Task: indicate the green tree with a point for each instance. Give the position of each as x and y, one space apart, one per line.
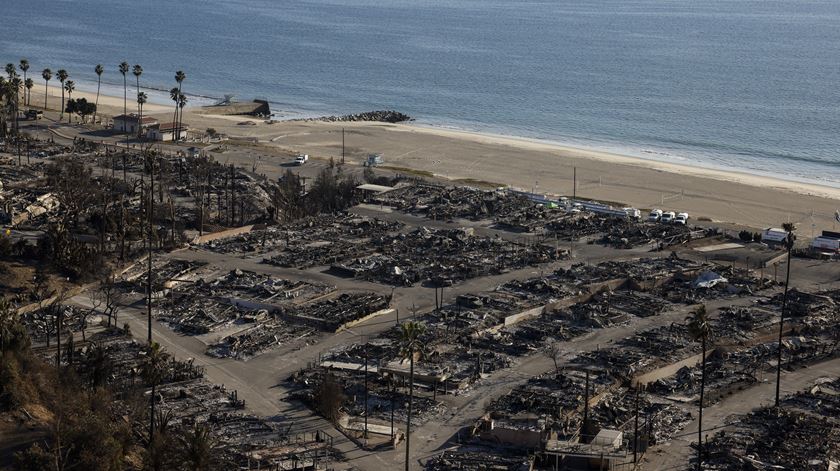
62 76
69 87
24 67
124 67
182 102
141 100
137 71
411 345
13 336
700 331
197 448
28 83
153 371
81 107
47 75
180 76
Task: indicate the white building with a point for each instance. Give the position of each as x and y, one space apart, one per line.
165 131
130 123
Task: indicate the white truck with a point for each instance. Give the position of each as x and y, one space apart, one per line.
682 218
301 159
667 217
655 215
633 213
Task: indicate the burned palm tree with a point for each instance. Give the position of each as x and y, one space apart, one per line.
789 227
411 345
700 330
153 372
46 74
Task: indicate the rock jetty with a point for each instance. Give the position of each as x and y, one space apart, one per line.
384 116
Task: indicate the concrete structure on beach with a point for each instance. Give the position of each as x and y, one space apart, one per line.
248 108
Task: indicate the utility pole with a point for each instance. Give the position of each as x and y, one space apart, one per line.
342 146
151 207
574 184
636 428
586 410
393 397
366 388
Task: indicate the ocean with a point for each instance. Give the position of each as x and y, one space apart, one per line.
734 84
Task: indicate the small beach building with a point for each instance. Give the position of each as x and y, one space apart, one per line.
130 123
165 131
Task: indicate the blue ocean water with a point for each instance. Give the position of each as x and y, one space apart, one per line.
743 84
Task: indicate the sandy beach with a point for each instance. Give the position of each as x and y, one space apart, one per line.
486 159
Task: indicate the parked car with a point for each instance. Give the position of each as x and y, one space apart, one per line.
682 218
667 217
655 215
301 159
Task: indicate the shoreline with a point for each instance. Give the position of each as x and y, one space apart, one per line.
158 103
733 174
465 157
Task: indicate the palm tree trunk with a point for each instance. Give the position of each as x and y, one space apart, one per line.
58 339
61 111
180 114
175 123
410 403
700 418
98 86
152 417
46 93
782 329
125 100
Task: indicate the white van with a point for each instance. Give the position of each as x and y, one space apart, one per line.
682 218
301 159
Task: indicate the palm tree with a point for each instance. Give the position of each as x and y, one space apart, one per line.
153 372
700 330
70 87
141 100
411 344
16 84
196 448
138 71
790 228
24 67
47 75
7 96
180 76
99 70
62 76
182 102
28 83
10 70
124 70
173 95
